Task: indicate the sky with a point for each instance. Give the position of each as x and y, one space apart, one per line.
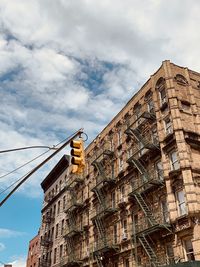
69 64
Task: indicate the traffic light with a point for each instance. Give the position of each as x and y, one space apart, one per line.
77 156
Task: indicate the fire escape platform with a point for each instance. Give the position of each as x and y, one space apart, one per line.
107 249
73 207
104 181
184 264
147 186
72 263
72 233
154 228
104 213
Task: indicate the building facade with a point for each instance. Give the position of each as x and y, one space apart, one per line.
33 252
138 202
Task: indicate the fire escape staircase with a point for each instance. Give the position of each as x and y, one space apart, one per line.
153 226
102 177
136 133
46 242
148 249
140 200
102 245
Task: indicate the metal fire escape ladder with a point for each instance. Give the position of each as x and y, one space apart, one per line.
140 138
139 166
100 196
100 228
149 250
100 168
44 247
145 208
98 220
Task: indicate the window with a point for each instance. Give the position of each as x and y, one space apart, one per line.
58 209
113 199
119 134
135 223
189 250
111 144
121 164
168 126
55 255
181 203
159 170
174 161
137 111
169 254
126 263
115 233
61 251
52 233
154 133
163 97
56 230
54 210
62 226
122 193
60 185
56 189
150 106
64 202
124 230
165 211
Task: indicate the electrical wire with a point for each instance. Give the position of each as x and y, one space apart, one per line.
68 140
21 178
5 189
28 162
23 148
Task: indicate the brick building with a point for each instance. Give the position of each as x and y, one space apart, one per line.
138 202
33 252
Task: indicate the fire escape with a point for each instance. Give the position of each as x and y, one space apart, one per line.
104 180
147 147
74 229
46 240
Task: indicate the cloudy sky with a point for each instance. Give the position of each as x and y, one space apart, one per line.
69 64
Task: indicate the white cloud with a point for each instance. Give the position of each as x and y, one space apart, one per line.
72 64
19 261
2 247
8 233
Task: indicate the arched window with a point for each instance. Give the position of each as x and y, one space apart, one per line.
181 79
160 86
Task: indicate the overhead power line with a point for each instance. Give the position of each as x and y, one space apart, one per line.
78 133
28 162
23 148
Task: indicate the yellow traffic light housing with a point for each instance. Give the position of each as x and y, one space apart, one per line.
77 156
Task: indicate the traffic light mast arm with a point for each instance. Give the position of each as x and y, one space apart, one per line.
80 131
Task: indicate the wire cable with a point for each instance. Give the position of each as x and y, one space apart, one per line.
28 162
5 189
23 148
25 177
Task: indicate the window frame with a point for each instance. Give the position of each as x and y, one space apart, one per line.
180 203
174 163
